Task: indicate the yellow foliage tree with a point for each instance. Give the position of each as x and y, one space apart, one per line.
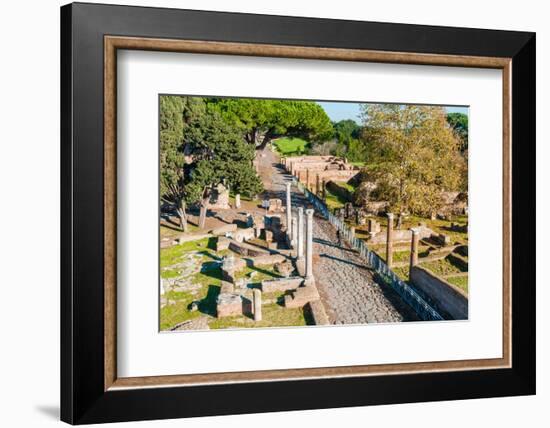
414 156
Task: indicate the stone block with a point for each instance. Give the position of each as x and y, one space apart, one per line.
267 260
301 296
229 305
284 268
318 313
225 229
268 235
222 243
373 226
442 239
242 235
281 284
275 205
195 237
226 287
301 266
219 198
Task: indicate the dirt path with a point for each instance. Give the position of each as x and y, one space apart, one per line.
348 289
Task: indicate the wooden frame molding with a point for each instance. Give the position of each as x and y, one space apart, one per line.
113 43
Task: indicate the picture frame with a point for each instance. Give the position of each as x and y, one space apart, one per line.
91 391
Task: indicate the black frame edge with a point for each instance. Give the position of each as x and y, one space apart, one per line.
66 316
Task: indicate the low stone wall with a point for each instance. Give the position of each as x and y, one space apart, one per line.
222 230
166 243
338 175
267 260
245 249
404 235
317 312
281 284
301 296
446 296
457 260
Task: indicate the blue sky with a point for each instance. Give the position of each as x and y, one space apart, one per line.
337 111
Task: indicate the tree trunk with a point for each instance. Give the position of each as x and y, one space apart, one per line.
267 138
202 214
182 215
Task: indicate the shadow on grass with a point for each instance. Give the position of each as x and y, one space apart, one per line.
213 272
247 307
308 315
208 304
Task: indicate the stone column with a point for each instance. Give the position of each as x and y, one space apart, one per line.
257 296
389 241
294 230
317 185
414 249
288 211
237 200
309 243
300 237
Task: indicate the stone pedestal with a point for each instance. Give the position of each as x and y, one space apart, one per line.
294 232
237 200
389 241
414 249
288 211
317 185
229 305
309 243
300 243
257 305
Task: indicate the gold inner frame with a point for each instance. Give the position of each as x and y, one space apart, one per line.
113 43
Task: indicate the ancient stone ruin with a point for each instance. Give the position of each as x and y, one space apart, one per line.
289 252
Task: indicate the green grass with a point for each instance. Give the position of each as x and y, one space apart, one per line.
172 255
206 286
273 315
173 231
287 146
350 188
402 272
334 201
442 267
459 281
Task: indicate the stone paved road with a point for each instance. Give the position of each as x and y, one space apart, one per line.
348 289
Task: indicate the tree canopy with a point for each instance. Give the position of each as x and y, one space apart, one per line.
199 148
414 155
459 123
348 144
261 120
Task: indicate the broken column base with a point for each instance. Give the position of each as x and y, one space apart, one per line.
318 314
301 296
227 287
229 305
301 266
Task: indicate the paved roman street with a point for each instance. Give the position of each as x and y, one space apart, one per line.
348 288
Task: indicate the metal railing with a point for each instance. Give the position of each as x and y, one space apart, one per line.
373 261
